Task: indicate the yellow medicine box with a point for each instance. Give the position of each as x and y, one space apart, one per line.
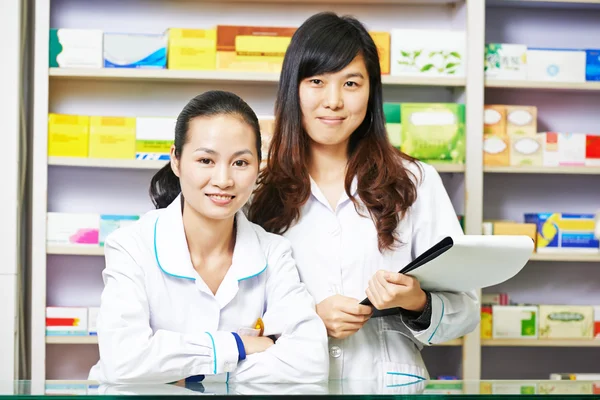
192 49
382 41
68 135
112 137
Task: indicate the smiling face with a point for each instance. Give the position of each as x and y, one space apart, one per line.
218 165
335 104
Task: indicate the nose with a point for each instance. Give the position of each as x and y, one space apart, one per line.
222 177
333 98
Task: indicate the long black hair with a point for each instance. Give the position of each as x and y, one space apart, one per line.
327 43
165 187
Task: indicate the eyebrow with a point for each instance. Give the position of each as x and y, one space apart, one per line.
236 154
355 75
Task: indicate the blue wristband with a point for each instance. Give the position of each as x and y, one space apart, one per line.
240 346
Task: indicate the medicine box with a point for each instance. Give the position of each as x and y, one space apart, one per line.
393 123
154 138
75 48
427 52
527 150
383 41
557 65
505 61
521 120
135 50
496 146
192 49
71 229
486 322
68 135
515 322
592 65
563 232
592 150
566 322
434 132
112 137
110 223
66 321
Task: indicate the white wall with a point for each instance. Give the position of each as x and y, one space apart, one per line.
9 127
76 280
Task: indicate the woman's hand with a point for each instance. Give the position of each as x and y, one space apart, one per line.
343 316
391 289
256 344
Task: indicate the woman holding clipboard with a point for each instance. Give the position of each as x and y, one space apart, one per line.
355 209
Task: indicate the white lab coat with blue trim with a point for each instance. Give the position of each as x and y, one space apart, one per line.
336 251
159 321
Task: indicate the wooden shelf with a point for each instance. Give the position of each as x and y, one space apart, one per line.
72 339
525 84
540 343
573 257
362 2
82 250
106 163
162 75
543 170
455 342
563 4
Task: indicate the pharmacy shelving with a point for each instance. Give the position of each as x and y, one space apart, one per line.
566 257
540 343
165 75
564 4
543 85
105 163
72 339
75 250
543 170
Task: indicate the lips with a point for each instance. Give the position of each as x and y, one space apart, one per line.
223 197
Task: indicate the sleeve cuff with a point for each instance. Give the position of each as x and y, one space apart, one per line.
418 321
240 347
225 352
429 335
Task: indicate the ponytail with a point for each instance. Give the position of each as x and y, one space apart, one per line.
164 187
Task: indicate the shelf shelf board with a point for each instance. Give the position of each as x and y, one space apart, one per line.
573 257
106 163
82 250
166 75
543 170
525 84
540 343
561 4
72 339
362 2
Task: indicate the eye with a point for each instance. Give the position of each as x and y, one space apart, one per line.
316 81
351 84
240 163
205 161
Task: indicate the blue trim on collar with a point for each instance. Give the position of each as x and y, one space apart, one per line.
252 276
158 262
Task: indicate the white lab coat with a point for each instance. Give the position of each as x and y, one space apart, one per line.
159 322
336 253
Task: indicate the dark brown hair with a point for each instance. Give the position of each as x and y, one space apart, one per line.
327 43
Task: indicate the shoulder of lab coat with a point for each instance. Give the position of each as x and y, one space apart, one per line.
453 314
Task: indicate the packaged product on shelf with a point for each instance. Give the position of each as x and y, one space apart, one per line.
382 41
505 61
496 149
267 127
434 132
252 48
154 137
65 389
75 48
192 49
568 149
448 387
565 388
592 150
564 232
557 65
92 320
495 299
509 228
135 50
110 223
68 135
515 322
512 388
551 155
66 321
112 137
597 322
521 120
70 229
428 52
526 150
487 322
566 322
592 65
393 124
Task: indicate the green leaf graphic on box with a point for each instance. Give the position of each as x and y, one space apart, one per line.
452 72
426 68
418 53
528 326
404 53
451 65
455 54
433 53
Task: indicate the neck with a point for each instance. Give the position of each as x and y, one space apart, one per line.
207 237
328 162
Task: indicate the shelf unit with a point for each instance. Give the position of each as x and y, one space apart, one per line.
471 14
540 343
566 257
